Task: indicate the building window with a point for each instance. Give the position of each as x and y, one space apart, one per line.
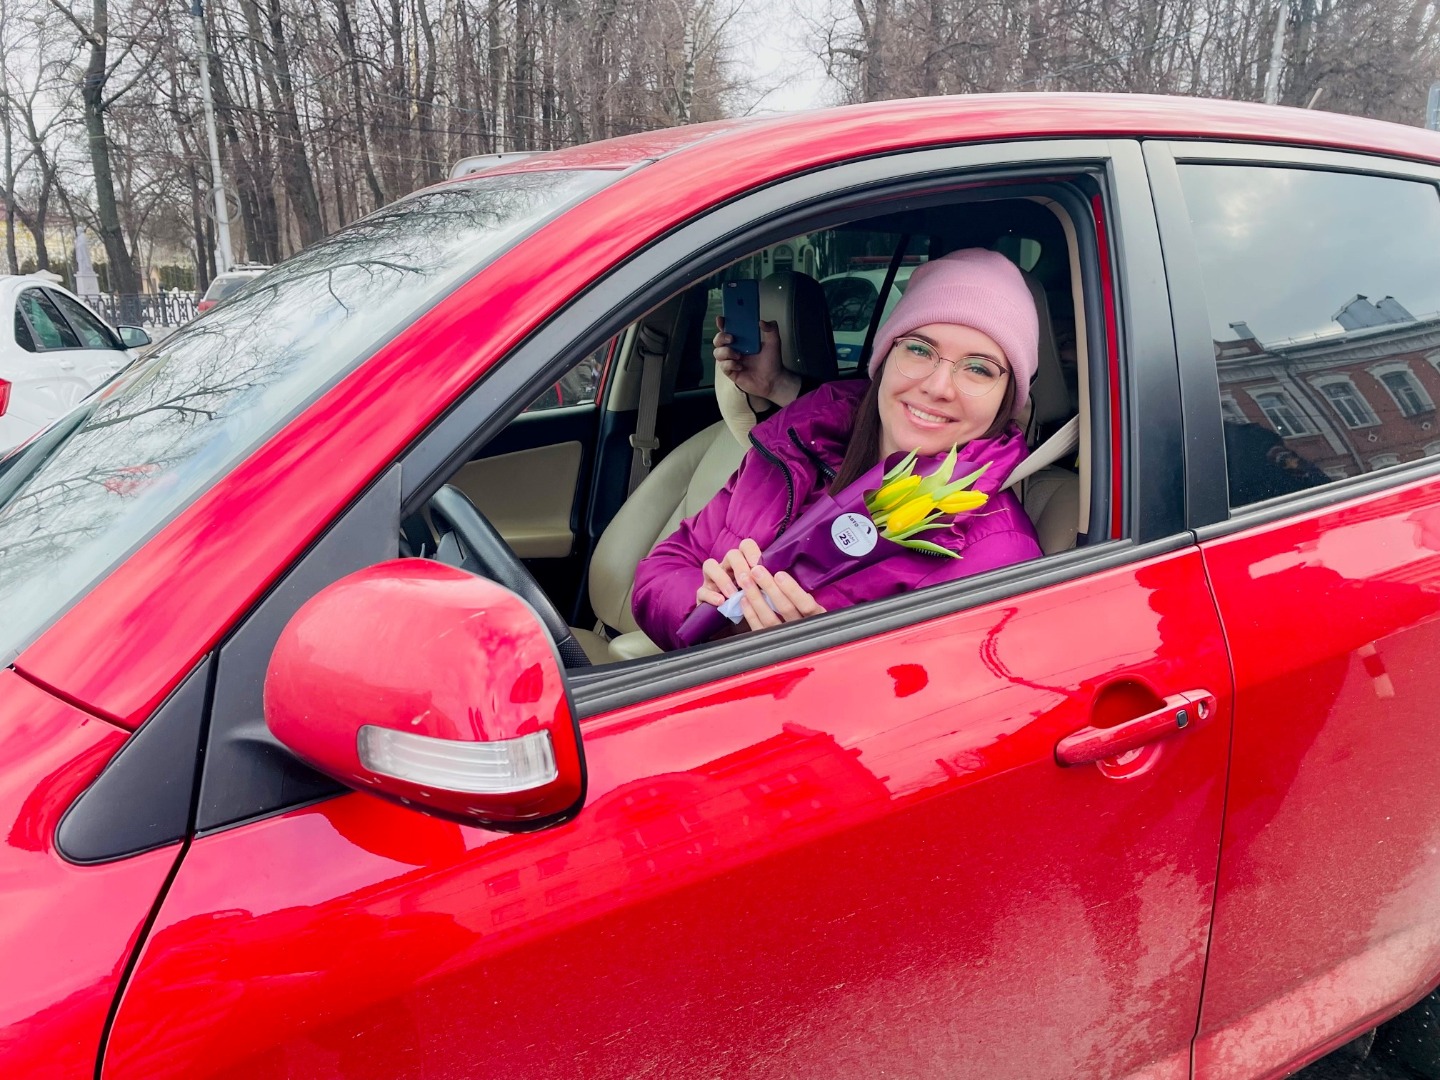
1231 411
1405 388
1279 408
1346 400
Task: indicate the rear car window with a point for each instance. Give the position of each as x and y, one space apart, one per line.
103 478
46 322
1323 291
23 337
228 285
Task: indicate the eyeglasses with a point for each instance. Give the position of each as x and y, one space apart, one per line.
974 376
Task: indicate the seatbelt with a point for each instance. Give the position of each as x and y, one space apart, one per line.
889 283
652 347
1047 453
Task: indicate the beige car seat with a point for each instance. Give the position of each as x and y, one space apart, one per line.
689 476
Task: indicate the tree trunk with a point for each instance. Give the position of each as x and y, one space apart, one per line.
352 63
294 163
121 267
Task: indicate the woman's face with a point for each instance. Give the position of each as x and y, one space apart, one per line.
930 414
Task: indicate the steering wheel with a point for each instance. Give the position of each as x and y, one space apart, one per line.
485 552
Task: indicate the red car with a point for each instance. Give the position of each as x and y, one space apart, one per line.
328 746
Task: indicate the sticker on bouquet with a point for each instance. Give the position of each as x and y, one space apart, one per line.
854 534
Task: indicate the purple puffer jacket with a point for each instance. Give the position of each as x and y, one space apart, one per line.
793 458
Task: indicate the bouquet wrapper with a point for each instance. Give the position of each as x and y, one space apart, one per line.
832 539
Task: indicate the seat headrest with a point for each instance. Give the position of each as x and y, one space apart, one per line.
795 302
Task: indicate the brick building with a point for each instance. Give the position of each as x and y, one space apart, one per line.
1348 401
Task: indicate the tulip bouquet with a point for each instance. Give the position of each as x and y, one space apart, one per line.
880 515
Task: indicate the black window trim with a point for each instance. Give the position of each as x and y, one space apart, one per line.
1153 509
1207 495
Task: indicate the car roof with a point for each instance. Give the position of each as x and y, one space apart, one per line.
13 283
972 117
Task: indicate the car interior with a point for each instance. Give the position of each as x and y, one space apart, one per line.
641 434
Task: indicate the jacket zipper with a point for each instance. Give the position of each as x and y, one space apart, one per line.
770 456
816 458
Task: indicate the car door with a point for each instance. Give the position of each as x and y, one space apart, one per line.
1307 287
52 369
845 849
101 352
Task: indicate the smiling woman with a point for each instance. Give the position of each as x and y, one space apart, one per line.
951 368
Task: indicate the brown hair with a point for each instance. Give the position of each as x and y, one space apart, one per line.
864 449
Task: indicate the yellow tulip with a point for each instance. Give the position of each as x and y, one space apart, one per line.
909 514
961 501
893 494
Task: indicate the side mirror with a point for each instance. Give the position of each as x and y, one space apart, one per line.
133 337
432 687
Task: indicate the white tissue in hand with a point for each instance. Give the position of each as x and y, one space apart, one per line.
731 607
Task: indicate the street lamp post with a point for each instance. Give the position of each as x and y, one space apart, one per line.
224 254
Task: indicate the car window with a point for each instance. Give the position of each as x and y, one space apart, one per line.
228 285
46 322
107 475
851 266
850 299
576 387
93 333
1323 291
23 337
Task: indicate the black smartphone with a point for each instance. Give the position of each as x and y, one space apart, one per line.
742 315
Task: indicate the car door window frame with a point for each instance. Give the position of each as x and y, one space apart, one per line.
1152 511
61 302
1208 510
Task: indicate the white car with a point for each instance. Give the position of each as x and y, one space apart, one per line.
851 298
53 352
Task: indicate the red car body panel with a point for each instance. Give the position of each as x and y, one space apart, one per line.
69 930
1330 886
742 889
169 603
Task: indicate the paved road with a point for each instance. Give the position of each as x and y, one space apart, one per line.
1337 1067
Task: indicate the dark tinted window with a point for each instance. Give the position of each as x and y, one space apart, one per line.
107 475
23 337
851 300
49 326
93 333
1324 298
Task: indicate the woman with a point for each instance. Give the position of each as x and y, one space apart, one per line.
951 367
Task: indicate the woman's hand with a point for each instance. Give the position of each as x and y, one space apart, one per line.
760 375
725 577
788 602
740 571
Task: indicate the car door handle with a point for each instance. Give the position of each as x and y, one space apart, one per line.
67 365
1179 713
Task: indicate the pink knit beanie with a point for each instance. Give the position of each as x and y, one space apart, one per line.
976 288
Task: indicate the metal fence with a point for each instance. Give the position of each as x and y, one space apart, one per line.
144 309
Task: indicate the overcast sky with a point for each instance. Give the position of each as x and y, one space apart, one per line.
1284 249
779 61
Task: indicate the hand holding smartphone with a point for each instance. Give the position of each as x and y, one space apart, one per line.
742 315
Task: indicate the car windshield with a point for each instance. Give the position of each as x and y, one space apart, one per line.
106 476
